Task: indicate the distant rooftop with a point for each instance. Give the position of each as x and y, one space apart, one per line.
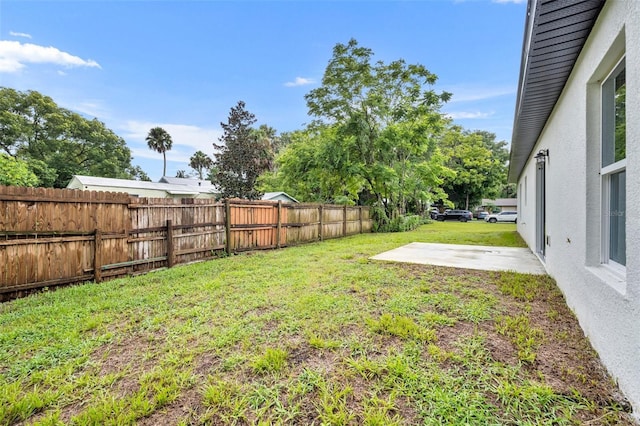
278 195
186 181
500 202
174 189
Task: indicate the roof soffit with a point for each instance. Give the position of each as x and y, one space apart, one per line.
555 32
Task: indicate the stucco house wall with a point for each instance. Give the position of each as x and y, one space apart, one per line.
607 305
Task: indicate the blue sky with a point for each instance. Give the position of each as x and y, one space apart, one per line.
183 64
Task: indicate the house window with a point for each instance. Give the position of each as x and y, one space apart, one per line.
613 167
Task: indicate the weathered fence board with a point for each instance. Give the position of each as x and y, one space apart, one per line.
46 235
52 236
254 225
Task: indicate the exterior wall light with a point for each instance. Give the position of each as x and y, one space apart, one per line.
542 155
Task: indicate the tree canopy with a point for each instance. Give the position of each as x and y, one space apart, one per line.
374 138
16 172
242 155
159 140
200 162
380 139
57 143
479 163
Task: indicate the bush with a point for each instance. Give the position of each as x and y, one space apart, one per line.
401 224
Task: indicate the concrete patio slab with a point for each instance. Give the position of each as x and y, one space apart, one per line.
488 258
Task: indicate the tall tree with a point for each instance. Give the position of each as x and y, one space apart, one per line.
57 143
160 141
479 165
387 119
242 156
200 162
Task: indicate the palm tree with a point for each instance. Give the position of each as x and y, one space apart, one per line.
200 161
160 141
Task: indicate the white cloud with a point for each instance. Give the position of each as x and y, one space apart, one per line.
15 34
300 81
186 139
470 94
509 1
15 55
91 109
470 115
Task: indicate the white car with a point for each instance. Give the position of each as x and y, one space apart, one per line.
502 217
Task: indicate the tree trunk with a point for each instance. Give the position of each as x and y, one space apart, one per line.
164 167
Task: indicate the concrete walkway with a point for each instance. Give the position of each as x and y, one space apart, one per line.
488 258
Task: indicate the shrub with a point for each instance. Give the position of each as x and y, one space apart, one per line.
400 224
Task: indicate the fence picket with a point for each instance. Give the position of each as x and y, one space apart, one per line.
59 236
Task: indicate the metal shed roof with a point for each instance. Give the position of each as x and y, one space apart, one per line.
135 184
555 32
186 181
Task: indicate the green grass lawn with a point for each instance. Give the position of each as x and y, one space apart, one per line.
315 334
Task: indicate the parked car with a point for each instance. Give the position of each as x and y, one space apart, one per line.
480 215
433 213
502 217
461 215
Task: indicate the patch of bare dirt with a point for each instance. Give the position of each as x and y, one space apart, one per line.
565 360
187 406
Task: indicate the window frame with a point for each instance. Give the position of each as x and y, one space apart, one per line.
607 125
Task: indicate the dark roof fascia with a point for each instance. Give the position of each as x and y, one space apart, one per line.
546 20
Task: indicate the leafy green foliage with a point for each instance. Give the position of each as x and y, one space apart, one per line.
16 172
138 174
244 154
159 140
620 132
315 168
479 164
375 138
400 224
200 162
57 143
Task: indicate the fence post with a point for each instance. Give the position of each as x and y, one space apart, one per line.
279 224
169 243
344 223
97 257
227 225
360 217
321 224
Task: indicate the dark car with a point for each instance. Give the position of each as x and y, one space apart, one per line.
480 215
461 215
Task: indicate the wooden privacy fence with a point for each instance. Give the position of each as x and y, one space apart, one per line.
50 237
